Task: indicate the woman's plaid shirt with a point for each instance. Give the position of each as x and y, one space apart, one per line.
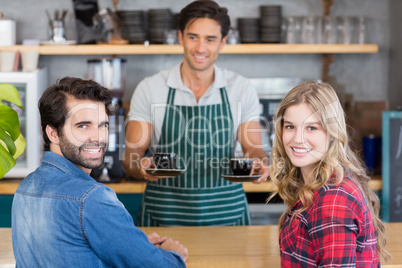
336 231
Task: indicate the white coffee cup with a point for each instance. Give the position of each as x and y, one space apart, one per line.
29 60
7 61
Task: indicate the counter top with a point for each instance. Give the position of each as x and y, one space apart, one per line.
133 187
235 247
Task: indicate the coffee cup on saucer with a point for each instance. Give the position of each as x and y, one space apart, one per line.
165 160
241 166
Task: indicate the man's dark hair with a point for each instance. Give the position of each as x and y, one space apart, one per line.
53 104
204 9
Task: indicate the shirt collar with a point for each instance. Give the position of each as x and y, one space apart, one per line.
65 165
174 79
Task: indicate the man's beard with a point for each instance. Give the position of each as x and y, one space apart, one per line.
73 153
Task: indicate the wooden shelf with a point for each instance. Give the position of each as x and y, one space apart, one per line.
177 49
129 187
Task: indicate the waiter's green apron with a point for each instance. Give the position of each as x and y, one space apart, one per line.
202 138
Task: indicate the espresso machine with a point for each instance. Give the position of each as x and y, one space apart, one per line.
111 73
271 91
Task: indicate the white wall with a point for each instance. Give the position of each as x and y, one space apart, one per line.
364 75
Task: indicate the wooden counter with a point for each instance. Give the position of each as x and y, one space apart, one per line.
131 187
227 247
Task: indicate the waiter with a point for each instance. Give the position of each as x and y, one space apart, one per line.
197 111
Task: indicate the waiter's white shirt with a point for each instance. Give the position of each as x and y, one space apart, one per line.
148 102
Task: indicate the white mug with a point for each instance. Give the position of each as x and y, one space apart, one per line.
7 61
29 60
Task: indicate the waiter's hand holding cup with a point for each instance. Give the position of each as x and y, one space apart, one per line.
241 166
165 160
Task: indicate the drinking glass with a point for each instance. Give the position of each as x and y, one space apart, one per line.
57 32
233 37
171 37
329 30
361 30
308 30
293 28
345 27
319 22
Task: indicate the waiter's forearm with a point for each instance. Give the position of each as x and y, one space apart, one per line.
255 152
132 163
138 138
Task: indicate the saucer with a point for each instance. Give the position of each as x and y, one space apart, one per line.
164 172
52 43
241 178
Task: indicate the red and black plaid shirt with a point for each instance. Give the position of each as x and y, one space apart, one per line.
336 231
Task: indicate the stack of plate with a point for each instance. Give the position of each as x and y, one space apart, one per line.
159 21
270 24
249 30
133 23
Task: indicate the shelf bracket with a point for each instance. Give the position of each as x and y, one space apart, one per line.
327 6
326 61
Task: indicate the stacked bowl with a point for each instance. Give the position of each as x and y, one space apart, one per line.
249 30
159 22
270 24
133 24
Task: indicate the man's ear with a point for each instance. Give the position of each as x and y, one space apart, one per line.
52 135
223 42
180 37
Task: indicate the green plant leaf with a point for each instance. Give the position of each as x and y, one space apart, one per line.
7 142
9 121
12 143
6 160
20 144
9 93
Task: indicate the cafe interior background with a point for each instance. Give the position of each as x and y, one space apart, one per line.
368 83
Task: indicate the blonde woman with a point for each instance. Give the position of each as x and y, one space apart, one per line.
332 214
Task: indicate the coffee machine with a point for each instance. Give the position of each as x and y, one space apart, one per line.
111 73
271 91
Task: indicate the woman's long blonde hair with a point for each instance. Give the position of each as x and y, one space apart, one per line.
339 158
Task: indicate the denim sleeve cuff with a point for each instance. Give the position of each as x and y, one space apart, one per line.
175 254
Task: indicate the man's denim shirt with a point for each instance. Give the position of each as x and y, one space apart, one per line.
61 217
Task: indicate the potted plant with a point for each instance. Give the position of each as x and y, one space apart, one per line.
12 143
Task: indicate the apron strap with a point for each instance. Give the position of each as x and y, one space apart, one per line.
170 98
224 95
